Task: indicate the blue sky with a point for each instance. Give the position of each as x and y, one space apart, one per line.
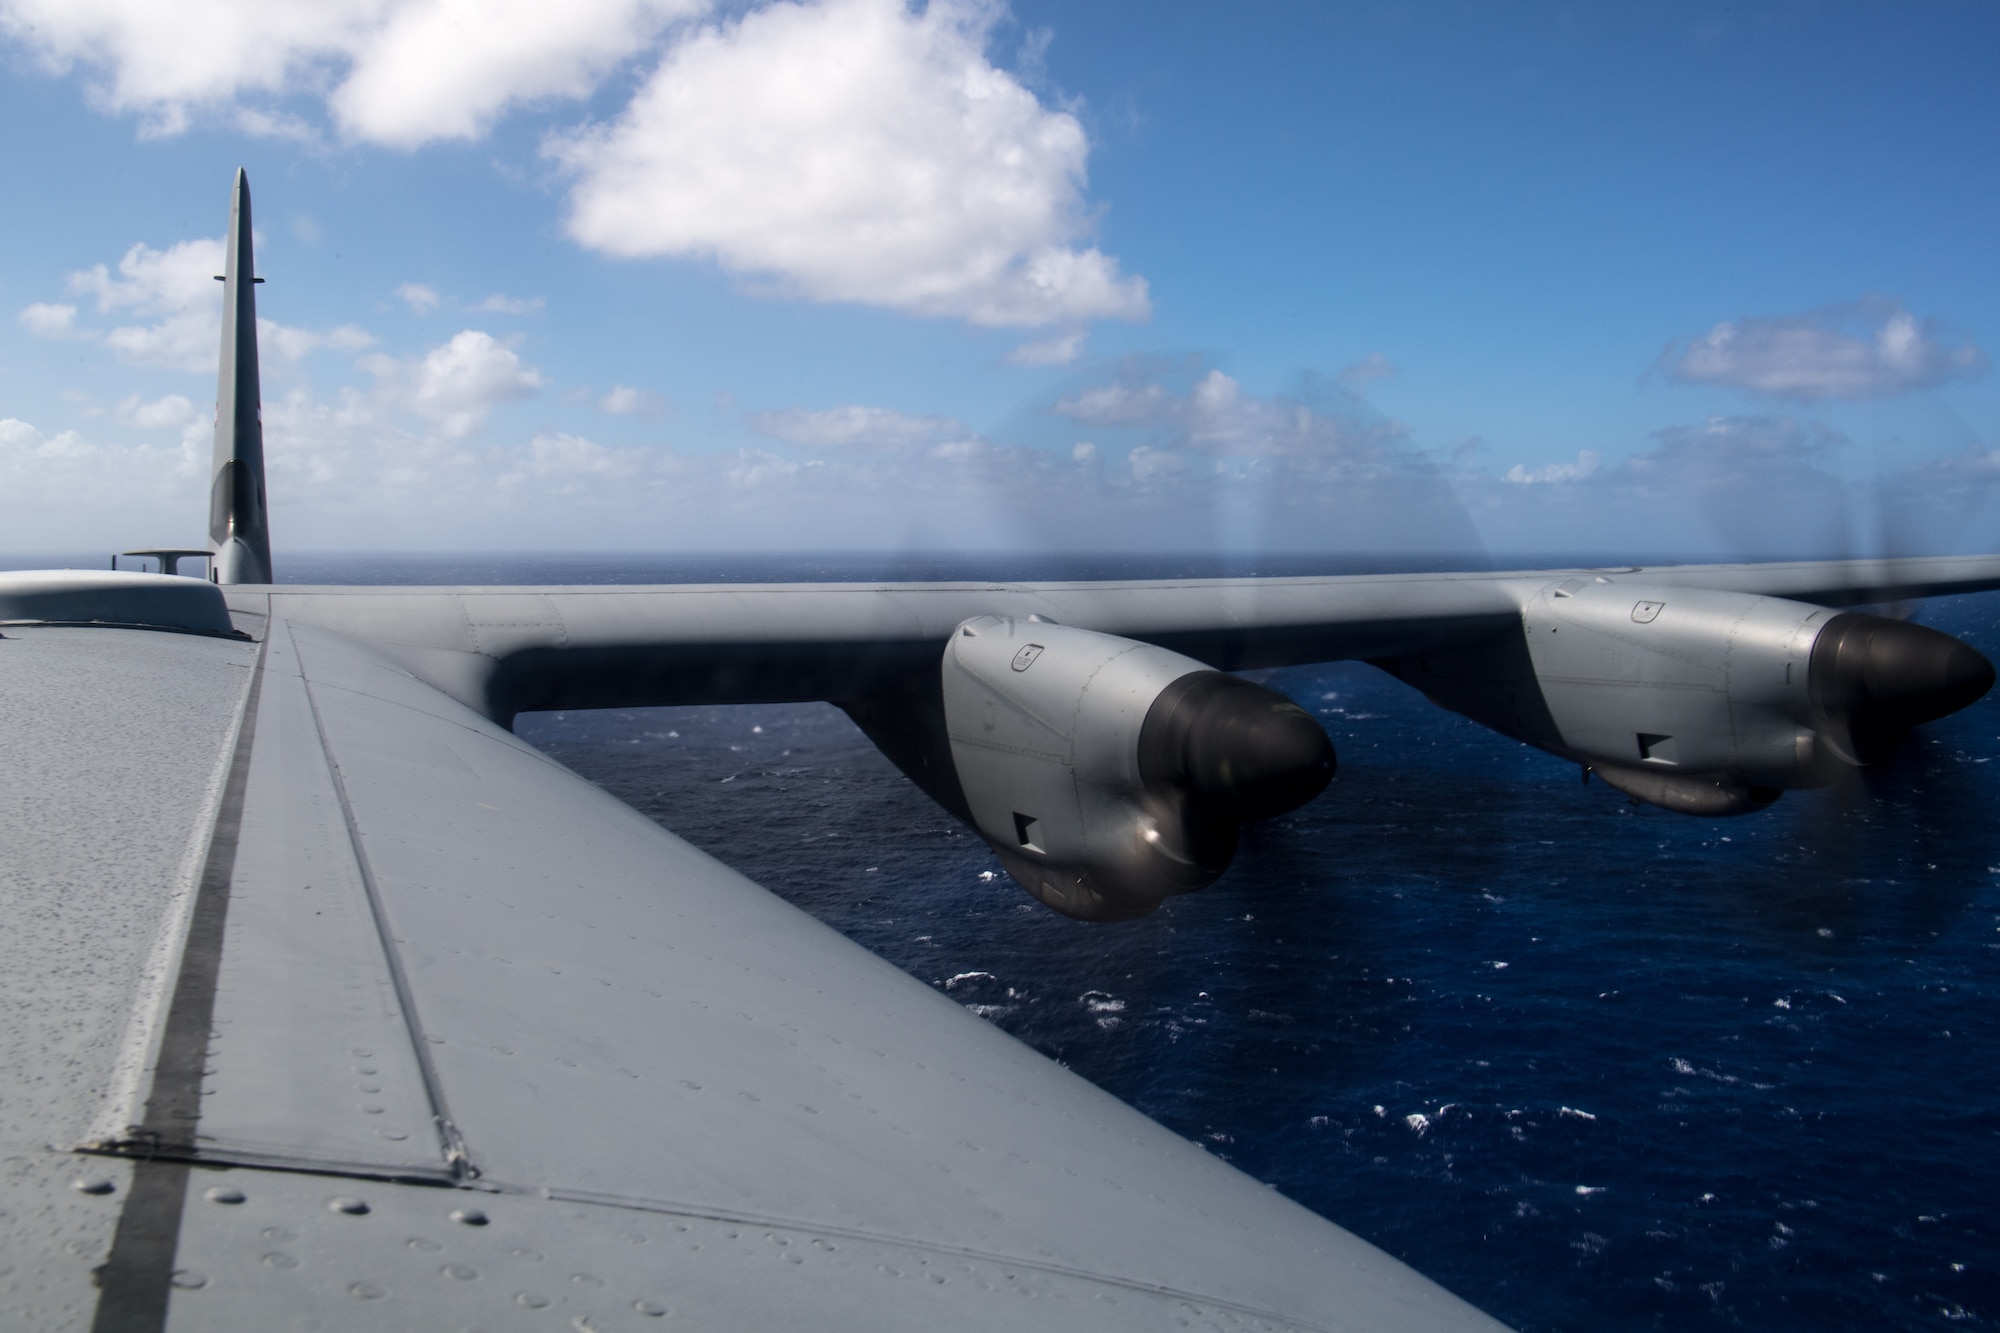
667 274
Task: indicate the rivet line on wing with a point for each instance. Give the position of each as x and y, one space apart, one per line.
457 1156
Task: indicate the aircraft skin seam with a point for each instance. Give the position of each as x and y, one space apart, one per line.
126 624
210 1159
704 1213
136 1277
711 1214
457 1156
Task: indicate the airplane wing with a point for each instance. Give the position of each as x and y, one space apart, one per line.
330 1003
417 1025
508 650
419 1029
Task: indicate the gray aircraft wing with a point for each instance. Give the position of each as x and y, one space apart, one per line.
339 1001
418 1029
329 1003
508 650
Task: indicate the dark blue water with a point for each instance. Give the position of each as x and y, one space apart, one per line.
1590 1065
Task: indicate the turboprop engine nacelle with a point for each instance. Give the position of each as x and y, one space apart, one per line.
1703 701
1689 698
1110 774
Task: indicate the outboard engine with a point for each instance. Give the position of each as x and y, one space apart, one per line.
1110 774
1702 701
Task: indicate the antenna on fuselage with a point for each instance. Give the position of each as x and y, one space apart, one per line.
239 533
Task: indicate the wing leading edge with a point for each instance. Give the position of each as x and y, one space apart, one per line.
503 651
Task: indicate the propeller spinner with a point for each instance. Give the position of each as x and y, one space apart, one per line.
1872 679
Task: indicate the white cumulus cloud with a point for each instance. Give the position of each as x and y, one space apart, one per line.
1121 403
165 413
399 72
52 320
293 344
1872 348
423 299
1214 415
857 427
624 401
1585 465
1057 351
445 69
1743 487
456 385
855 150
564 464
174 291
420 299
500 304
164 308
1367 371
861 151
54 487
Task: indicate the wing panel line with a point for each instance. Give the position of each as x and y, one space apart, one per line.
137 1275
457 1155
799 1226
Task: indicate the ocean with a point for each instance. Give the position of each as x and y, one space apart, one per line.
1589 1065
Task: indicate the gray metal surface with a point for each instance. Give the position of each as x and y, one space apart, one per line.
509 650
283 1257
1833 582
617 1022
312 1061
114 742
452 975
440 972
1716 681
109 597
1044 722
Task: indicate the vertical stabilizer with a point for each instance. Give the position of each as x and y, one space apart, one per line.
238 529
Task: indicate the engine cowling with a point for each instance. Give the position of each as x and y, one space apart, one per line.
1693 699
1109 774
1703 701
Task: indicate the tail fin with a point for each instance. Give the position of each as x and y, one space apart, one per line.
239 531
